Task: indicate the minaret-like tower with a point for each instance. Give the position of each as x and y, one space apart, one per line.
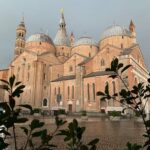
20 38
61 41
72 39
132 30
61 38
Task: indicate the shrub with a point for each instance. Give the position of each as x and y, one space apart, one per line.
36 110
114 113
83 113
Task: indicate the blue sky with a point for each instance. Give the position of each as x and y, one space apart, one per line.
90 17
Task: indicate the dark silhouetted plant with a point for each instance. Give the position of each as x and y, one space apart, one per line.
135 98
73 137
11 115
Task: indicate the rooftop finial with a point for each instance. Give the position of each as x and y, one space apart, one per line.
114 23
62 10
22 18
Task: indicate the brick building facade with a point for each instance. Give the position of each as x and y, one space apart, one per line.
67 73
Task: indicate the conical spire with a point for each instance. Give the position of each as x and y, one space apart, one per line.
61 37
62 23
132 26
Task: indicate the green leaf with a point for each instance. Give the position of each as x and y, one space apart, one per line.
3 145
12 102
26 106
114 65
36 124
133 146
93 142
4 81
120 66
107 69
18 91
107 89
17 83
113 76
25 130
84 147
21 120
5 132
37 134
11 81
5 87
125 68
147 123
99 93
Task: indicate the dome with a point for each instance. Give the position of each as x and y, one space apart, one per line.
40 37
85 41
61 38
40 43
115 31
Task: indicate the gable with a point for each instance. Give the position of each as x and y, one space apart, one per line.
48 58
138 56
71 63
24 57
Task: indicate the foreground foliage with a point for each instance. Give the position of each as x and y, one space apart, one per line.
11 116
135 99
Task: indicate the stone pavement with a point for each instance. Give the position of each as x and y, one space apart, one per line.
113 135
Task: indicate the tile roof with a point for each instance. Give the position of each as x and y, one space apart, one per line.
62 78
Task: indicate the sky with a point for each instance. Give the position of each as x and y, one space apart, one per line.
83 17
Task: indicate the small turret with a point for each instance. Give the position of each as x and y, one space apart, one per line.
20 38
132 30
72 39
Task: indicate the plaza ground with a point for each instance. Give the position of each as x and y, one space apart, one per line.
113 135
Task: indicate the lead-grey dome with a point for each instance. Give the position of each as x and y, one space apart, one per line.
61 38
85 41
40 37
115 31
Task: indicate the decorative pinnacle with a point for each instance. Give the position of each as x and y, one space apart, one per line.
22 18
62 10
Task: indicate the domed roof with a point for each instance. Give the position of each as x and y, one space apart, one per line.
115 31
85 41
40 37
61 38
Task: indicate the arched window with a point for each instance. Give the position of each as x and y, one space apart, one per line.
18 69
45 103
44 76
88 91
121 45
55 91
72 92
102 62
106 83
68 92
58 90
28 66
89 54
93 91
28 76
70 68
114 87
135 81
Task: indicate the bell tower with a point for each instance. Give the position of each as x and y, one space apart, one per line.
132 30
20 38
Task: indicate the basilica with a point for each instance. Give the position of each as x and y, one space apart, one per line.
67 72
